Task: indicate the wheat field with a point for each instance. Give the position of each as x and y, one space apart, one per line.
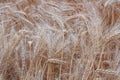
59 39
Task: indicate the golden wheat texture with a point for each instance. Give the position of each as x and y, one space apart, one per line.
59 39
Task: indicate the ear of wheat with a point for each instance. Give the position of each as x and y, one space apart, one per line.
59 39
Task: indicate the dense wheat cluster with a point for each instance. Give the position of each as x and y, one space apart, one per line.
59 39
